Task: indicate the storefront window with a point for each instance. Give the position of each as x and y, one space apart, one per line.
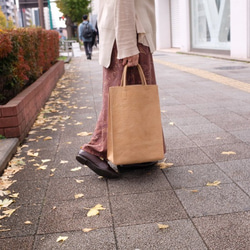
210 24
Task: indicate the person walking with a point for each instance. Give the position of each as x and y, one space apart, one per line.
127 32
86 36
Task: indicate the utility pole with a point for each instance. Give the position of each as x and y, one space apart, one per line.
50 16
41 16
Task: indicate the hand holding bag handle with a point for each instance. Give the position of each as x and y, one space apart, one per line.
124 75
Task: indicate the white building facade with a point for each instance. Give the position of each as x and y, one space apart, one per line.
209 26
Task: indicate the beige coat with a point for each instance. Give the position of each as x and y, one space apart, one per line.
121 21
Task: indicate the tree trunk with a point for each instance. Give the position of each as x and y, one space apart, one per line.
69 27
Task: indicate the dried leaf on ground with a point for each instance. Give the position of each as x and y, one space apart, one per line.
32 153
6 183
228 153
213 184
77 196
164 165
3 216
27 222
95 210
162 226
10 211
42 167
63 162
5 230
14 195
3 193
84 133
45 160
47 138
75 169
194 191
79 181
5 203
86 230
62 238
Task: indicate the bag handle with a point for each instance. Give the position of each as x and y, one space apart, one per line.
124 75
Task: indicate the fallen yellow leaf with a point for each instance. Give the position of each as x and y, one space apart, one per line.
9 212
14 195
213 184
95 210
30 153
2 216
194 191
190 171
63 162
3 193
42 167
46 160
228 153
62 238
5 203
79 181
76 169
84 133
162 226
4 230
28 222
47 138
79 196
86 230
32 140
164 165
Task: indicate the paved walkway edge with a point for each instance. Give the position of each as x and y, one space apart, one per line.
8 148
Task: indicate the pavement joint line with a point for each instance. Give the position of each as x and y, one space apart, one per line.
208 75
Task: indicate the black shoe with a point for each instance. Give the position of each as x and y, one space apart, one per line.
136 165
100 167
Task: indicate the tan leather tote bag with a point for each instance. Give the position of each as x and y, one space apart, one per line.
134 123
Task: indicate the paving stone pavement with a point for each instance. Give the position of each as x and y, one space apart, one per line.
203 198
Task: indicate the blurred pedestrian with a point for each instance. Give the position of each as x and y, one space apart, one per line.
86 36
127 32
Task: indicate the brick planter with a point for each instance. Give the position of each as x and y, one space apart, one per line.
18 115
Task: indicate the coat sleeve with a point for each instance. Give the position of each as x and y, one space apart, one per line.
125 28
80 31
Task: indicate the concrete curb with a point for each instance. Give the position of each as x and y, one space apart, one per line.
7 150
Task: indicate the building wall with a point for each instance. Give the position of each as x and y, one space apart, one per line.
8 8
225 32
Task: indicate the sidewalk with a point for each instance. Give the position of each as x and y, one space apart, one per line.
202 200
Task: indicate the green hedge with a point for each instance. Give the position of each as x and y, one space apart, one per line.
25 54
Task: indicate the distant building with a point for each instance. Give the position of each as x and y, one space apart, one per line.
9 9
25 17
